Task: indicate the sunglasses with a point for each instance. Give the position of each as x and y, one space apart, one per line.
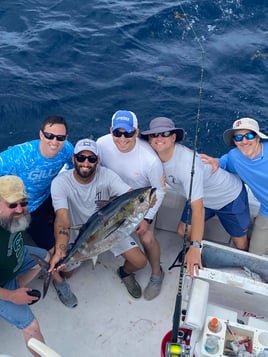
15 204
164 134
248 136
117 133
51 136
91 158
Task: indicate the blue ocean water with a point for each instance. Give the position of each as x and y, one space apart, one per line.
86 59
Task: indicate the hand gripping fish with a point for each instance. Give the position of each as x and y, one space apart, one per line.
105 228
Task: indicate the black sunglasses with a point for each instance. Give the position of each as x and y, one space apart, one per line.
51 136
164 134
117 133
15 204
248 136
91 158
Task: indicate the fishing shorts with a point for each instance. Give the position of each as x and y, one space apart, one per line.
122 247
258 241
235 216
20 316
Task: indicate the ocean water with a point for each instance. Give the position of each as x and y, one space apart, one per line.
86 59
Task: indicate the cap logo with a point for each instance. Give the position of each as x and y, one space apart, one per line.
238 123
86 143
123 118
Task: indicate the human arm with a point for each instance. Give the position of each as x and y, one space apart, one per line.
18 296
206 159
62 236
193 256
156 178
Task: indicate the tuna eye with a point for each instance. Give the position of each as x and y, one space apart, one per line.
141 199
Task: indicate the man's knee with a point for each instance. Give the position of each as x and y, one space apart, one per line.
147 239
241 243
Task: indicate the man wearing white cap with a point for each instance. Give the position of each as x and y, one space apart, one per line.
74 195
138 165
17 268
249 159
221 193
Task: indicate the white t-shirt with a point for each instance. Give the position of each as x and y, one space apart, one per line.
140 167
79 199
217 189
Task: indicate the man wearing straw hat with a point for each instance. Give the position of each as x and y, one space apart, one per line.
248 158
221 193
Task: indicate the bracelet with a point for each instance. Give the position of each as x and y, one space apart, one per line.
196 243
149 221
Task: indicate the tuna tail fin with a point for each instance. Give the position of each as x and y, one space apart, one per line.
44 268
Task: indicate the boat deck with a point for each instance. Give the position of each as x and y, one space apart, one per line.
107 320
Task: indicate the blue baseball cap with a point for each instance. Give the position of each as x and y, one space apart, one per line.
124 119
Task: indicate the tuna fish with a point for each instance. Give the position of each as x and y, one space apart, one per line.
106 228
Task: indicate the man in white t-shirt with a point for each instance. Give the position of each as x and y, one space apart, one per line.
220 193
74 195
138 165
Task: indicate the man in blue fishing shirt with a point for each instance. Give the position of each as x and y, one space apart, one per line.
37 162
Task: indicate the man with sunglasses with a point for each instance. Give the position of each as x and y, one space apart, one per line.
37 162
137 164
248 158
75 194
17 268
222 193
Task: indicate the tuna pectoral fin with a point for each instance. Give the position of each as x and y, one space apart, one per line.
47 279
44 268
94 261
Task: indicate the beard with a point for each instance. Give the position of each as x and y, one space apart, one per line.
14 225
85 175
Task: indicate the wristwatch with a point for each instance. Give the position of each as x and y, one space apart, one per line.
149 221
196 243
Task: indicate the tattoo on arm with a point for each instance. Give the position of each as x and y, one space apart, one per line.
63 247
64 232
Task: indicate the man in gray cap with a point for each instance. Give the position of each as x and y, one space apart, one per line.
249 159
74 195
220 193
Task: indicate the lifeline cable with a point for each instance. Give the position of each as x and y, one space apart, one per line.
177 311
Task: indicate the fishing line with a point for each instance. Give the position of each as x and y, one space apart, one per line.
177 311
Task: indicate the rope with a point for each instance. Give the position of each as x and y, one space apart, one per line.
177 311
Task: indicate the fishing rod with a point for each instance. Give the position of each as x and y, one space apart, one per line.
174 349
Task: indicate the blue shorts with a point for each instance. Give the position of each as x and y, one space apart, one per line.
235 217
20 315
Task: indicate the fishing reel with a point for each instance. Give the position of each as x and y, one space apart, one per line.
177 350
181 348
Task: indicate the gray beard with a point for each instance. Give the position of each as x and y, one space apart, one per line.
15 225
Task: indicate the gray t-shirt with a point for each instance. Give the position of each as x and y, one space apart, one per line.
80 199
217 189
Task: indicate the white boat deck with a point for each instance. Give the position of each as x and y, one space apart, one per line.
107 320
